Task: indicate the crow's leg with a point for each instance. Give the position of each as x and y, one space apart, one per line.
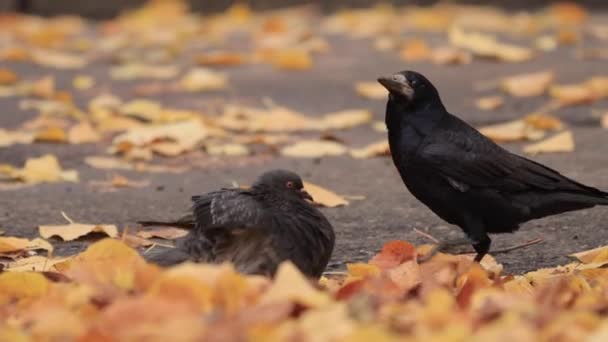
443 245
480 240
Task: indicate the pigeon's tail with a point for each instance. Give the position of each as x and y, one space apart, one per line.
164 256
186 222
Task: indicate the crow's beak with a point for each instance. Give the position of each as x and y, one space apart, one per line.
400 87
306 195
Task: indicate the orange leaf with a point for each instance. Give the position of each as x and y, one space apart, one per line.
394 253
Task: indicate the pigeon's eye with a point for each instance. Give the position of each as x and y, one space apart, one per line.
289 184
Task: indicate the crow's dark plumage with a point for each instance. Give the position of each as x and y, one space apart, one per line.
256 228
464 177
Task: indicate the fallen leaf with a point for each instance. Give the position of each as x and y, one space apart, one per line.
132 71
44 87
51 135
561 142
34 263
56 59
415 50
371 90
512 131
292 60
44 169
227 150
531 84
489 102
8 138
203 79
111 163
486 45
10 244
82 133
313 149
604 122
220 59
83 82
573 94
324 197
167 233
450 56
7 77
291 285
342 119
544 122
144 109
393 254
117 182
73 231
376 149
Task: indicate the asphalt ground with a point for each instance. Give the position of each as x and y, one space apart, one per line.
388 211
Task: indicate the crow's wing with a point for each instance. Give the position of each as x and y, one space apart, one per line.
467 159
228 209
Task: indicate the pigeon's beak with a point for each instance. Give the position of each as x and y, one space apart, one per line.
306 195
397 86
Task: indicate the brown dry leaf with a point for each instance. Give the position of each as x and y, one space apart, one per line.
376 149
342 119
604 122
486 45
132 71
8 138
512 131
273 119
292 59
599 254
7 77
73 231
291 286
227 150
44 169
176 138
313 149
203 79
51 135
36 263
489 102
561 142
544 122
167 233
83 82
44 87
9 244
531 84
56 59
572 94
415 50
450 56
144 109
371 90
324 197
82 133
220 59
108 163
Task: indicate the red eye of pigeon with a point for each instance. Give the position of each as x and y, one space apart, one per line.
289 184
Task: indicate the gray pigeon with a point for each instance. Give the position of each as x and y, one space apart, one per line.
256 229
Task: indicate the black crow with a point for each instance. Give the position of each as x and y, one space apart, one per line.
256 229
464 177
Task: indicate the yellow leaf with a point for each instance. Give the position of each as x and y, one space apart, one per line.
220 59
83 82
599 254
227 150
51 134
376 149
56 59
291 286
44 169
73 231
8 138
342 120
561 142
7 77
34 263
292 60
135 70
489 102
101 162
512 131
167 233
22 286
142 109
524 85
203 79
313 149
415 50
486 45
324 197
449 55
371 90
83 133
44 87
571 94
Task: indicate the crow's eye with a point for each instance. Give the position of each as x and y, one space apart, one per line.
289 184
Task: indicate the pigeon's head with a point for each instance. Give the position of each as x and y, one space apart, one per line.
283 182
410 87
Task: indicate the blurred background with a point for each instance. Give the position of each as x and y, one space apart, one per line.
108 8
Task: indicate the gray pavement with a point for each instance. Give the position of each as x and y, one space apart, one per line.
388 210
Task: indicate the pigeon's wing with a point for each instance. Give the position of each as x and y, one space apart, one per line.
227 209
467 159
